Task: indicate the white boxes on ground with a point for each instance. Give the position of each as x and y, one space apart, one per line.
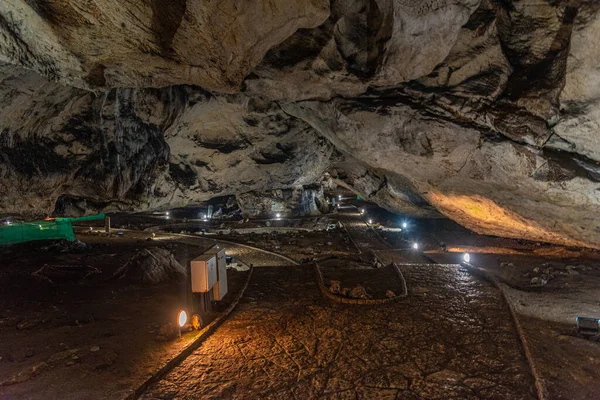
220 288
203 270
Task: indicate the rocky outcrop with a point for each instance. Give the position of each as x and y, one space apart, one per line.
486 111
156 43
297 201
134 149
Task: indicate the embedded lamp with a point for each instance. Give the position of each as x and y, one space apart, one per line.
467 257
370 221
415 246
181 318
404 225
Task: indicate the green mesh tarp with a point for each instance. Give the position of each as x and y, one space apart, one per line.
60 228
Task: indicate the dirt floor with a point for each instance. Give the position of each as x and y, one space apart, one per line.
376 281
301 246
69 331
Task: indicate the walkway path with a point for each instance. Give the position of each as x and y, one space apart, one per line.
451 338
368 240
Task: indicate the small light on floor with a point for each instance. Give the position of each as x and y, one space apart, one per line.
167 217
339 196
415 246
404 225
7 222
91 229
370 221
167 213
181 318
467 257
278 215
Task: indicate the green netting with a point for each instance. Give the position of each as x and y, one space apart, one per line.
60 228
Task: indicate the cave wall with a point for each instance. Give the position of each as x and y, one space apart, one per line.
293 202
487 112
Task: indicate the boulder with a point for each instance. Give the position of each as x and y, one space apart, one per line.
358 292
335 287
152 266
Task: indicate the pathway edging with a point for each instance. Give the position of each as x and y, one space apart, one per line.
202 336
345 300
539 384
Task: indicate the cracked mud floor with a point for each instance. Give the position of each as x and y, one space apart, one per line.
451 338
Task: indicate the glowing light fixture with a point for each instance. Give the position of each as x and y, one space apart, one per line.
415 246
7 222
467 257
181 318
404 225
168 213
339 196
278 215
91 229
370 221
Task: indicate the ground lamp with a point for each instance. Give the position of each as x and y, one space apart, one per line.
415 246
404 225
370 221
278 216
181 319
587 326
467 258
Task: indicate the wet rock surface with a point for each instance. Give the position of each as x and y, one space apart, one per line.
452 337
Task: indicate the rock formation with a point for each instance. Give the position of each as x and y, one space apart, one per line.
487 112
297 201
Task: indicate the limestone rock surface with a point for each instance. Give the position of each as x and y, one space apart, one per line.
484 111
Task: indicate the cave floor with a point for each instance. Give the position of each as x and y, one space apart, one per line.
451 338
70 331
